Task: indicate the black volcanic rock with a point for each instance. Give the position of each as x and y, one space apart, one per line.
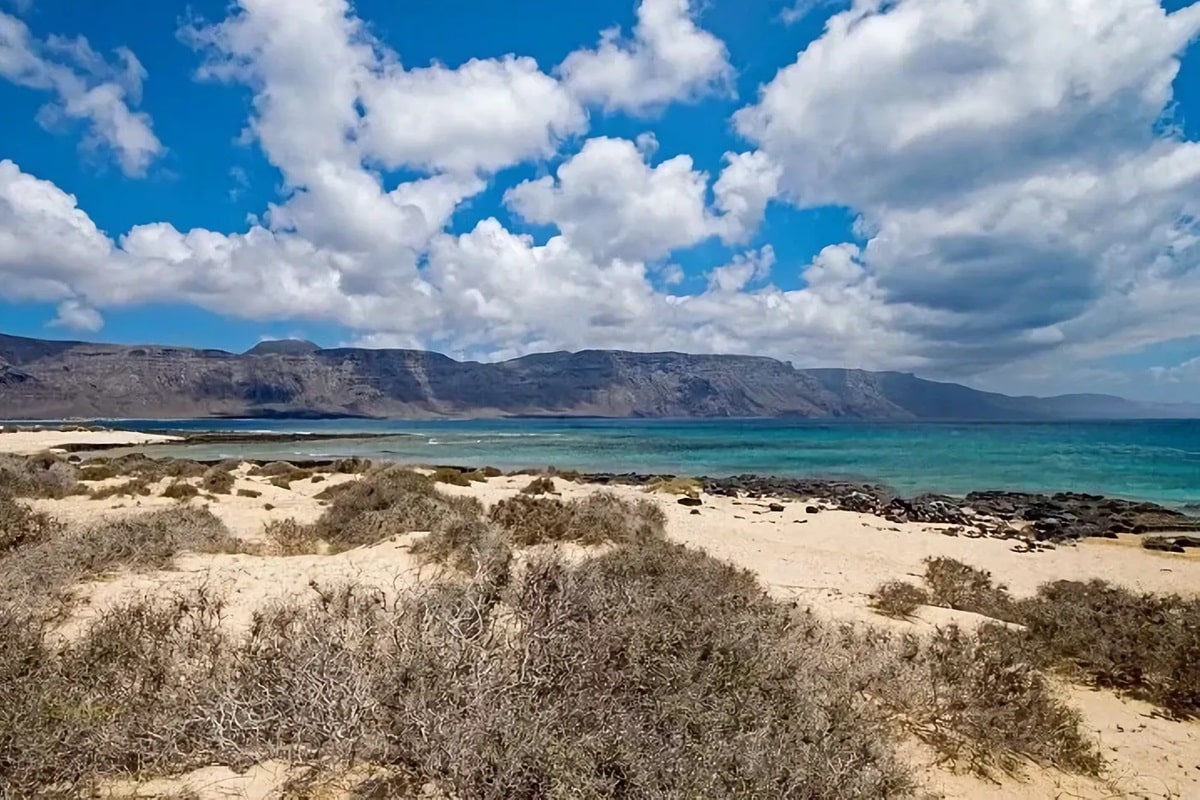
46 379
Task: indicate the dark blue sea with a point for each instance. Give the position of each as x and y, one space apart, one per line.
1150 460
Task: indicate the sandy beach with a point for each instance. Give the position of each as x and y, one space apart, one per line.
28 442
829 561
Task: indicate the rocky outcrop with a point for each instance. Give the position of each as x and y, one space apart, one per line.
52 379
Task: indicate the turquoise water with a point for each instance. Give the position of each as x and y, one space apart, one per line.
1150 460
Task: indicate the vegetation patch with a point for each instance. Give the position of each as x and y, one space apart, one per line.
39 476
181 491
898 599
218 481
599 518
540 485
687 487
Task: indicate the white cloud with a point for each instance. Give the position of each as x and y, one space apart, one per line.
668 59
1003 156
1184 372
86 87
751 267
482 116
610 203
607 201
77 317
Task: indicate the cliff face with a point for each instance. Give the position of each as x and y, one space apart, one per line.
49 379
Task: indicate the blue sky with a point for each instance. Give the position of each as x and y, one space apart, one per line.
1003 192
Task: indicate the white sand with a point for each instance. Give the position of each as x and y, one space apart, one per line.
30 442
829 562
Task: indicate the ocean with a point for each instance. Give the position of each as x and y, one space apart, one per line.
1146 460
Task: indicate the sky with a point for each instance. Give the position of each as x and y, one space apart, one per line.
1004 193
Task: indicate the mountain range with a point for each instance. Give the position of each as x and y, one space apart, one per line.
47 379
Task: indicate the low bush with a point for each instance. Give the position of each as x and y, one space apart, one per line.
599 518
39 476
450 475
492 472
135 487
979 699
218 481
181 491
38 574
287 537
470 545
97 472
542 485
384 503
898 599
956 585
688 487
20 525
1143 644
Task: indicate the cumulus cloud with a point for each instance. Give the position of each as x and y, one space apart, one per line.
609 202
1014 187
77 317
668 58
86 87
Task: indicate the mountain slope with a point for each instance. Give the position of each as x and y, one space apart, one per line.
51 379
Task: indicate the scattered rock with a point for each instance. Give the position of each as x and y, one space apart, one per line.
690 501
695 512
776 507
811 510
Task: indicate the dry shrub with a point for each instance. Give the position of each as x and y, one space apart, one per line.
492 472
979 699
287 537
40 476
647 672
898 599
155 469
384 503
274 469
542 485
39 573
651 671
318 478
470 545
135 487
688 487
181 491
218 481
956 585
475 476
21 525
450 475
97 472
599 518
1144 644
